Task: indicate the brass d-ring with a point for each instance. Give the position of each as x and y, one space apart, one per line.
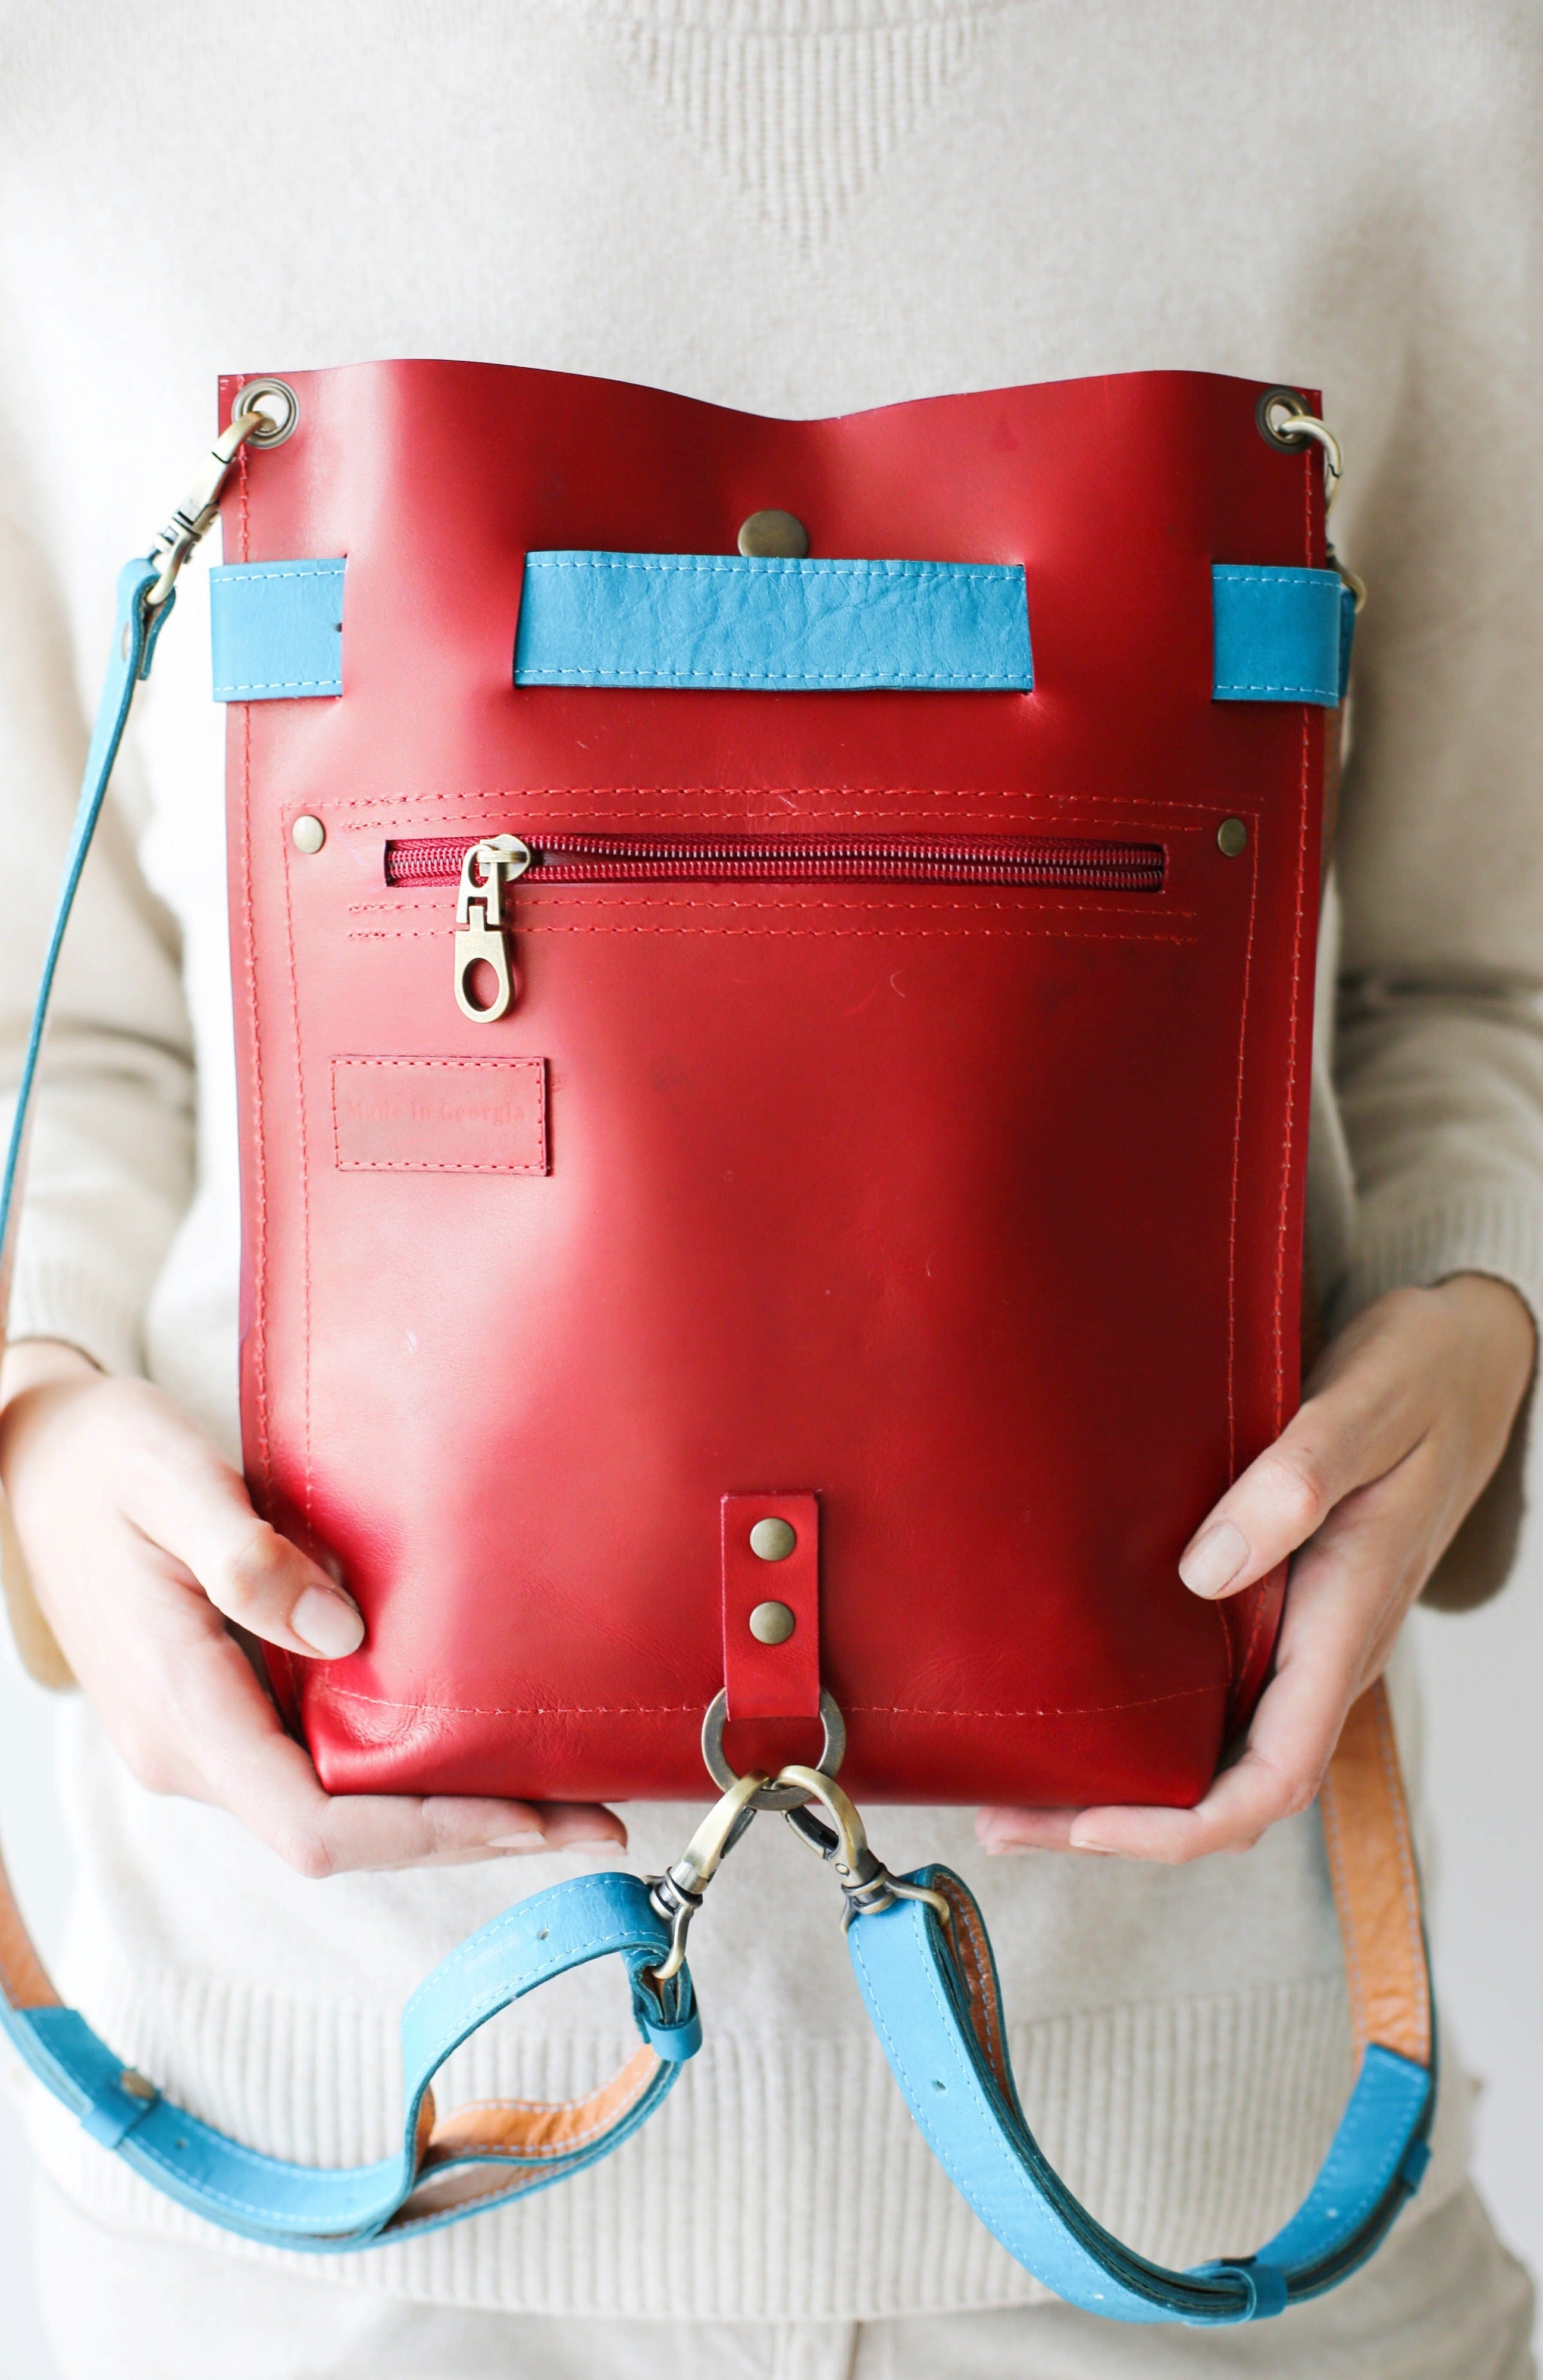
833 1751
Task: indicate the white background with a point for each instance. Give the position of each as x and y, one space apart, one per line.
1483 1685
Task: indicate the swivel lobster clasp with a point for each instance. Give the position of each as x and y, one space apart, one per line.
481 935
866 1883
677 1894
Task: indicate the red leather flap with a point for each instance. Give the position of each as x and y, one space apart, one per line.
765 1677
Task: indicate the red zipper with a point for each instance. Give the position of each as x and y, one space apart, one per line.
1054 863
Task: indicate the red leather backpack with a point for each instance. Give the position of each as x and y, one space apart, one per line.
773 968
895 1126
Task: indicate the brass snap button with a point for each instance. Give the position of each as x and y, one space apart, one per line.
772 1623
308 835
1231 838
774 536
774 1540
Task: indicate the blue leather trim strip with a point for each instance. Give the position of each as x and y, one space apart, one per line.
276 628
735 622
1281 634
922 2013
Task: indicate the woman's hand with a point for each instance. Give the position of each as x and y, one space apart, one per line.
142 1543
1406 1417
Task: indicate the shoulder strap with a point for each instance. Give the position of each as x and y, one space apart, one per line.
931 1991
444 2169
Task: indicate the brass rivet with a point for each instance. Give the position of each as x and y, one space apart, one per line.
308 835
772 1623
134 2085
774 536
774 1540
1231 837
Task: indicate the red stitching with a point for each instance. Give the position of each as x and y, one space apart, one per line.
259 1267
659 1710
909 933
1044 1710
416 903
304 1193
441 800
519 1710
1237 1149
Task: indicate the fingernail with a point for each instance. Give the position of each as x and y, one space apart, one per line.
1008 1843
1214 1561
329 1624
525 1842
1100 1850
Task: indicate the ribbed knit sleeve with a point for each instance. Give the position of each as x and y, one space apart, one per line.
1440 1053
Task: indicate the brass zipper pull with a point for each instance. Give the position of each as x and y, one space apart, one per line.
480 934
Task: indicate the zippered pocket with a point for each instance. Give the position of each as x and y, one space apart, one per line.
482 870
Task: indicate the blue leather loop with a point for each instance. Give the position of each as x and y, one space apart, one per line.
732 621
965 2103
276 630
325 2211
1266 2284
589 1917
1280 634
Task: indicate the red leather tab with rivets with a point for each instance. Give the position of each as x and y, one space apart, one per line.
771 1680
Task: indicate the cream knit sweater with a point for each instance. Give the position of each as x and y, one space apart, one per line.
799 206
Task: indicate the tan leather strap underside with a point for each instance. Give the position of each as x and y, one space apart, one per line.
1371 1859
524 2128
23 1976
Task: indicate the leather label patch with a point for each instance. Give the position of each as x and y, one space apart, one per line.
440 1115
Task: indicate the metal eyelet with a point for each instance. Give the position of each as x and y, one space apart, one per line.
1293 404
276 401
1299 429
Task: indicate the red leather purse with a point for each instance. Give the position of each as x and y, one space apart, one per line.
895 1131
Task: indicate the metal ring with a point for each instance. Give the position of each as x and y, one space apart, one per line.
277 402
771 1797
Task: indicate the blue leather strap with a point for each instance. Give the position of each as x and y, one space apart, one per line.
933 1996
931 1992
135 631
1280 634
276 630
729 621
435 2178
437 2175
